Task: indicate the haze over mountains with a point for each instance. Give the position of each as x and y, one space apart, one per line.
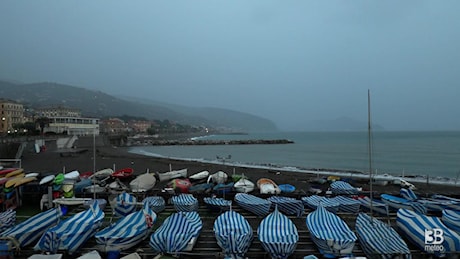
99 104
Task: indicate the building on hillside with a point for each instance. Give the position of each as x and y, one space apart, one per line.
139 126
11 113
114 126
63 120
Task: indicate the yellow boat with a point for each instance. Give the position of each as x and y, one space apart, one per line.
24 181
11 182
14 173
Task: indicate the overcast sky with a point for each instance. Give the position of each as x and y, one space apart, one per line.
289 61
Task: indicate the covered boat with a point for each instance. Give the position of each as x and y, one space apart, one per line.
7 219
218 177
401 203
233 234
143 182
379 240
314 201
28 231
123 204
123 173
185 202
178 233
330 233
278 235
252 203
377 206
347 204
217 204
451 218
287 188
201 188
244 185
156 203
199 176
428 233
127 231
287 205
431 204
268 186
223 188
71 233
343 188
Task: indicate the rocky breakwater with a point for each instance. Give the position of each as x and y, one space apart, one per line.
220 142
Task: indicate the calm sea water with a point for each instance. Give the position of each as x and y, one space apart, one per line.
411 153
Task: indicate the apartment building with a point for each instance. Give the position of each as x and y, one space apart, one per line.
11 113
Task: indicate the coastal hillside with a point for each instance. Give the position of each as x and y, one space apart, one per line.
99 104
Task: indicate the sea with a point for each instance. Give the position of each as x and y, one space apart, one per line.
399 153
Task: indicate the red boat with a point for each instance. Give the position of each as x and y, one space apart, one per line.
123 173
7 170
85 175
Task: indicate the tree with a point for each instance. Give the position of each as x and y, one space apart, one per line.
42 122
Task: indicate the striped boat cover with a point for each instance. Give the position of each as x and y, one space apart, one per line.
379 240
185 202
176 232
71 233
127 231
278 235
287 205
156 203
314 200
401 203
254 204
341 187
347 204
31 229
125 204
218 204
451 218
233 234
7 219
377 206
413 225
408 194
330 233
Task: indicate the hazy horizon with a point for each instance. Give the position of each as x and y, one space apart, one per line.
292 62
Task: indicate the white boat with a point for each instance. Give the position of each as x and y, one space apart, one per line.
244 185
73 175
46 179
199 176
219 177
268 186
166 176
143 182
101 174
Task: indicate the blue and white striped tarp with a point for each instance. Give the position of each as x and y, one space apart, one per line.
125 204
315 200
451 218
278 235
330 233
217 204
347 204
7 219
408 194
71 233
341 187
185 202
176 233
401 203
379 240
127 231
254 204
32 228
156 203
233 234
415 226
287 205
377 206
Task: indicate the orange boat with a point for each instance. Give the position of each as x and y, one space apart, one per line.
267 186
123 173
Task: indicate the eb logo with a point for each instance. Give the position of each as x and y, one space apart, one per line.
434 236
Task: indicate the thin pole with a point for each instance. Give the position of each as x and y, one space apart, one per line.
369 145
94 155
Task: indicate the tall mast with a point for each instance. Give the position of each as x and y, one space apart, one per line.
369 145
